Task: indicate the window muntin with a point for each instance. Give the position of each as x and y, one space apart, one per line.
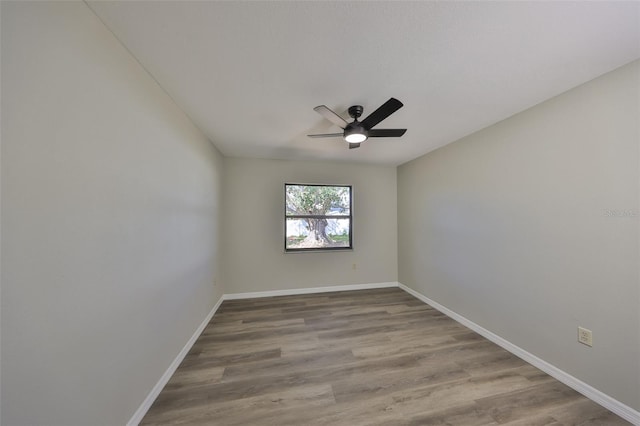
318 217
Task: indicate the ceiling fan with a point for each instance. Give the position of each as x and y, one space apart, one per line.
357 132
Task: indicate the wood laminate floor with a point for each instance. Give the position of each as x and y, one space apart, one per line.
370 357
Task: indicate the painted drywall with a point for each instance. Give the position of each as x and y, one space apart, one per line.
0 221
529 228
110 223
254 257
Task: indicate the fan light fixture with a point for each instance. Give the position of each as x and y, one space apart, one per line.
356 136
355 132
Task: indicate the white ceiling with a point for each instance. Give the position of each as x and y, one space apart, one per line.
249 73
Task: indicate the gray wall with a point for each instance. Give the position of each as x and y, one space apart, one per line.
254 255
530 228
110 221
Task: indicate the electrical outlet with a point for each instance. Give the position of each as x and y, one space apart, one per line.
585 336
354 266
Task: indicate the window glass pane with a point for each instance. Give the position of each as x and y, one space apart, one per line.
317 200
323 233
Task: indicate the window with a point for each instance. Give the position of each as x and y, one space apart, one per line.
317 217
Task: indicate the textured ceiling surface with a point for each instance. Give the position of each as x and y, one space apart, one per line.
249 73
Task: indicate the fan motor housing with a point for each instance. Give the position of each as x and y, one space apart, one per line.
355 128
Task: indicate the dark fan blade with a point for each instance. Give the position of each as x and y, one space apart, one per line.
354 145
331 116
326 135
387 108
386 133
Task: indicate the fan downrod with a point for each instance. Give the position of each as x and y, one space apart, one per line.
355 111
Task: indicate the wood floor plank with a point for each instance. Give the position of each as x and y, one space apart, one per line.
527 402
247 411
356 358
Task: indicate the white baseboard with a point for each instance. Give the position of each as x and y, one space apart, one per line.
146 404
295 291
589 391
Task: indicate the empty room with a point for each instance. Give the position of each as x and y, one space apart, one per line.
319 213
